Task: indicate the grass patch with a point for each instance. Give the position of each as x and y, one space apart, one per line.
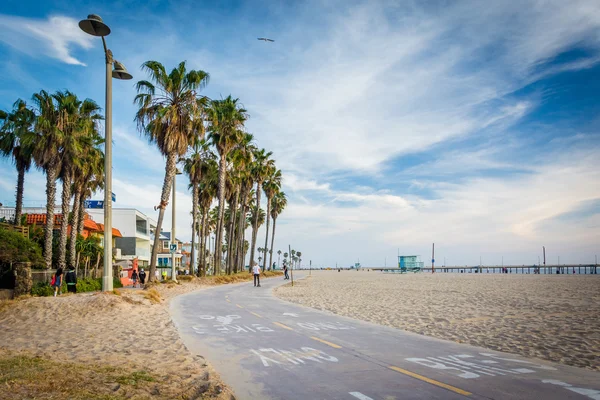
117 292
234 278
185 278
25 376
153 295
135 377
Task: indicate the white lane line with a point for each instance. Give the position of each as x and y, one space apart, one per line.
360 396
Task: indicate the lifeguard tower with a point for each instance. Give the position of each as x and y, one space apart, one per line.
410 264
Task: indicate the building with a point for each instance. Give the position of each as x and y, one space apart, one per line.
164 254
137 231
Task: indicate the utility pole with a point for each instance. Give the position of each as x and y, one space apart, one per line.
310 266
433 258
544 249
291 264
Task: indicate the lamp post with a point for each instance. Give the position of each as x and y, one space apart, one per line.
94 26
173 240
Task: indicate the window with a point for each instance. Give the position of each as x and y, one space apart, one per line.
165 245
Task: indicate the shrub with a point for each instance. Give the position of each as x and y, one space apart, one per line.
14 247
83 285
44 289
185 277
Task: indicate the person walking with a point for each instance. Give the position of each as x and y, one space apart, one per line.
134 278
71 280
285 272
58 275
142 276
256 272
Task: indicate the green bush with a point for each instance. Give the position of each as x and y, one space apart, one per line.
14 247
83 285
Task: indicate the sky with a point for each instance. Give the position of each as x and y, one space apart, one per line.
397 124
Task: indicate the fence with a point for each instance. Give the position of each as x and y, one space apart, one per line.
582 269
23 230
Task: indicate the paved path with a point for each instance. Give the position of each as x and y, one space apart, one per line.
265 348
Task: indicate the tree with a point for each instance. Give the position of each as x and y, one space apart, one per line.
77 120
193 168
170 116
207 192
47 141
270 186
278 203
226 118
17 127
260 171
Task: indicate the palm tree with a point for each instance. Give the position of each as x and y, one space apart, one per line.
193 166
77 120
16 127
88 177
170 116
278 203
260 171
48 141
227 118
270 186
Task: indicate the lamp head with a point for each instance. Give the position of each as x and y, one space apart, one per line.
120 72
94 26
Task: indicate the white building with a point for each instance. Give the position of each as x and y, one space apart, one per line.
136 228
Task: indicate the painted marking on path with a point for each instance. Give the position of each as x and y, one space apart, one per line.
291 314
292 356
591 393
360 396
255 314
335 346
237 305
227 300
279 324
428 380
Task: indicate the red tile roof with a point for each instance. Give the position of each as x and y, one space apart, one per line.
115 231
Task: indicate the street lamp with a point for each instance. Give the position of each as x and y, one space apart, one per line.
173 240
94 26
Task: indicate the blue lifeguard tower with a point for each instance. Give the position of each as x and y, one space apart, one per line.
410 263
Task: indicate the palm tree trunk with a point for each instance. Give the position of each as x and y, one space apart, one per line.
170 168
51 173
194 219
81 218
241 259
203 241
267 266
19 200
272 241
232 240
255 223
200 244
64 224
74 225
219 238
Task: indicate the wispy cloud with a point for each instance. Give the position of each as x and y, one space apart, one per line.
54 37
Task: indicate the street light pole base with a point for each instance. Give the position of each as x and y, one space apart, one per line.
107 284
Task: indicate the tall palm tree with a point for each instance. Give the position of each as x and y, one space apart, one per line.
170 116
207 192
278 203
226 118
260 171
88 175
77 120
193 168
270 186
48 141
17 125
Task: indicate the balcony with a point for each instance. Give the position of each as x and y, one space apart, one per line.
141 252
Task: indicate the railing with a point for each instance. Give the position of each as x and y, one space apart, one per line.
582 269
143 231
23 230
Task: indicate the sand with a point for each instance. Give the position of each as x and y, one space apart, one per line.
555 318
110 330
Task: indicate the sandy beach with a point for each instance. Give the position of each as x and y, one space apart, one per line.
125 331
556 318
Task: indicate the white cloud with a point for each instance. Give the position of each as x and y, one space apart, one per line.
54 37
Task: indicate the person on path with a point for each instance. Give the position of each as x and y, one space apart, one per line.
134 278
58 275
157 275
285 271
142 276
256 272
71 280
164 275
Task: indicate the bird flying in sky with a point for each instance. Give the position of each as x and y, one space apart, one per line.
265 39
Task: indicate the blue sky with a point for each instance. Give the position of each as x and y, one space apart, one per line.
474 125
